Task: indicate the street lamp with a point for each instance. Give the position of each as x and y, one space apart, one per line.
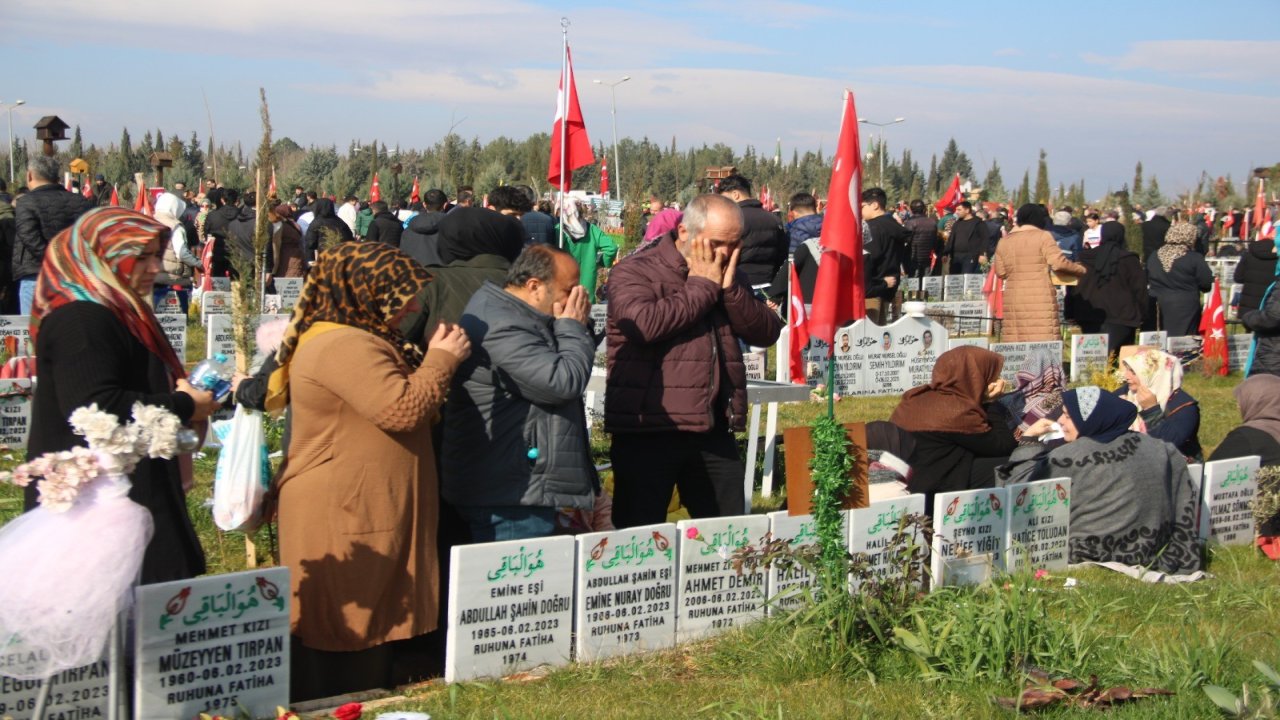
613 110
11 106
882 126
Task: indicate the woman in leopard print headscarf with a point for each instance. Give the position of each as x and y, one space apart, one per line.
358 494
1176 275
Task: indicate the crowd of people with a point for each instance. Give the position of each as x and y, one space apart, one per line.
433 370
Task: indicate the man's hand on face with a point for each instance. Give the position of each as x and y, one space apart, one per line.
731 270
575 307
704 262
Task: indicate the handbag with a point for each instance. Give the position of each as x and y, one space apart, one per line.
243 472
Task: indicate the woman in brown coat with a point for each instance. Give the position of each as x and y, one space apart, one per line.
1023 260
358 494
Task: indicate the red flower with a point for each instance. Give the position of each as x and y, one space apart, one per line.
691 533
350 711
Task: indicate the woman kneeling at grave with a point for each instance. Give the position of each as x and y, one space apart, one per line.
961 435
358 494
1259 434
1153 383
1132 500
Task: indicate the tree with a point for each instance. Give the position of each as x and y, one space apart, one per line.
1024 192
77 146
1137 180
1042 179
931 185
993 185
953 161
1151 197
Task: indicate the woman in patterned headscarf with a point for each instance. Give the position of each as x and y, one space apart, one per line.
97 341
358 494
1176 275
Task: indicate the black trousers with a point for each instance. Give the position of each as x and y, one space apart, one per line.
1117 335
647 466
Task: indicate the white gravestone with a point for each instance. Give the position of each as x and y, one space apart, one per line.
216 645
786 586
289 289
1039 524
220 337
754 362
1015 354
973 283
214 303
956 342
953 288
1088 354
221 284
170 304
1238 348
1154 338
15 413
76 693
626 592
932 285
510 607
965 316
711 597
1183 344
175 330
872 528
19 328
876 359
1229 488
974 524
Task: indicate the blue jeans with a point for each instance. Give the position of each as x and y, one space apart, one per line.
26 295
490 523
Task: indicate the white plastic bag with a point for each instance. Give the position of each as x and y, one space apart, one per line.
240 482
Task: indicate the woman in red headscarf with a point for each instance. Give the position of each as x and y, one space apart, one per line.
98 341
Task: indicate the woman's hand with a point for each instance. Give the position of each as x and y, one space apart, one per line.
997 388
236 379
1143 395
1043 426
205 403
452 339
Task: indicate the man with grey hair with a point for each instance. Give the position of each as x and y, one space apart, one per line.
677 385
43 212
515 445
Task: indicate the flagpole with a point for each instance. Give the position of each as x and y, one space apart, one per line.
564 115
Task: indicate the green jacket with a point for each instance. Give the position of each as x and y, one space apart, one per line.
594 250
363 220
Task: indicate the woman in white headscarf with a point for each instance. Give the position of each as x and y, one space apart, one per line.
179 263
1153 384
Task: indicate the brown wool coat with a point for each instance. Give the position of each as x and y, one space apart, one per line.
358 498
1023 260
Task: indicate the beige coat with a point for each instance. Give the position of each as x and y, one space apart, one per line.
358 498
1023 259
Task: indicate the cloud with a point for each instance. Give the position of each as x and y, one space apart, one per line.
1008 52
1231 60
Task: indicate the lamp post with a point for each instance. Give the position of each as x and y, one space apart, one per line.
880 151
11 106
613 111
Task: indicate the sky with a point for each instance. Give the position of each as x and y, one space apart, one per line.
1184 87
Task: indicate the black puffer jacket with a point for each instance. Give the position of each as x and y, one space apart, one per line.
326 218
385 228
38 216
240 235
1257 270
418 241
764 243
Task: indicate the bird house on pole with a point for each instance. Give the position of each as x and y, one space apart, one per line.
49 130
160 161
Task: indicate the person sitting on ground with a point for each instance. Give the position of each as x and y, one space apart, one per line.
1038 391
961 435
1132 500
1259 400
1153 383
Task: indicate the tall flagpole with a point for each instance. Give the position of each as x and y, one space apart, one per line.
564 116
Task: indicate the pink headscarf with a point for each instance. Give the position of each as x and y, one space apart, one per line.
664 222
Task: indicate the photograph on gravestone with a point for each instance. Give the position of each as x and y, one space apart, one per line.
81 692
214 303
17 327
923 340
969 533
220 338
872 528
625 593
288 289
1154 338
1227 500
888 350
711 597
932 285
175 330
787 586
1015 354
217 644
850 355
15 414
1039 525
510 607
1238 348
1088 355
221 284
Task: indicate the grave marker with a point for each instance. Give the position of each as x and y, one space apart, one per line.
1039 524
626 592
19 328
220 337
76 693
170 304
221 284
973 283
710 596
216 645
872 528
1015 354
175 331
214 303
932 286
1088 354
1229 488
786 587
1238 348
974 524
289 289
15 414
1154 338
953 288
754 361
510 607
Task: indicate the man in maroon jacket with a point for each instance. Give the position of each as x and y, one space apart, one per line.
677 383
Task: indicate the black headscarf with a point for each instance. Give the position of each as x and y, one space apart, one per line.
1034 215
324 208
1110 251
466 232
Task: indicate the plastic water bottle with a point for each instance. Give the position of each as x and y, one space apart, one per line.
214 375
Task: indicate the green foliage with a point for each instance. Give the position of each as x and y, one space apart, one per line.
1024 191
831 464
1042 179
1251 704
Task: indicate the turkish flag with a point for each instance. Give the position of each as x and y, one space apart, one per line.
416 194
115 197
577 152
375 190
142 203
798 329
1213 329
271 189
604 176
1259 209
951 197
993 288
88 188
840 294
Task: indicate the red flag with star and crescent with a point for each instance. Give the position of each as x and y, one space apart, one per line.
1213 329
416 194
375 190
840 293
798 329
577 152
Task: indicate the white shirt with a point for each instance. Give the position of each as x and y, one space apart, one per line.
347 213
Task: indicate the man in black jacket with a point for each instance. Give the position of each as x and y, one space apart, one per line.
764 241
240 232
967 244
46 210
418 241
101 191
385 226
217 226
880 253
